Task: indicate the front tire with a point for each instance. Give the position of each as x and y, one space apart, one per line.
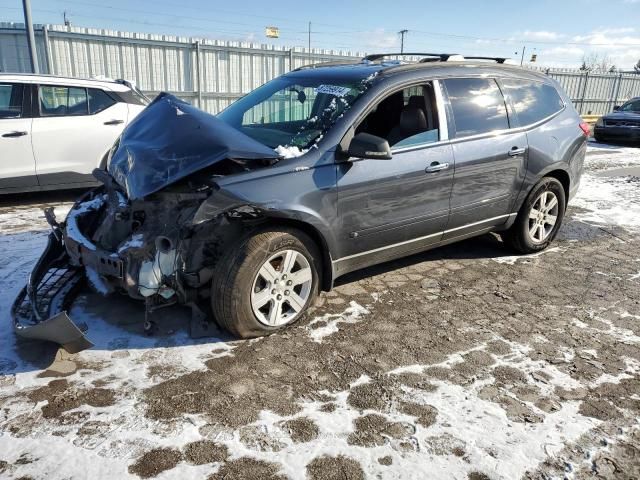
539 219
265 283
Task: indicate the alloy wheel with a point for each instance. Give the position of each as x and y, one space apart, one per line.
281 288
543 216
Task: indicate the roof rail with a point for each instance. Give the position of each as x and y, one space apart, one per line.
378 56
495 59
327 64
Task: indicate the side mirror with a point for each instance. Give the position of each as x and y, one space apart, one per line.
365 145
617 107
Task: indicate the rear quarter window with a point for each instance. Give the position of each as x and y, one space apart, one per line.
99 101
533 101
478 106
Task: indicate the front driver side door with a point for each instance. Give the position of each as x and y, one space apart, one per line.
390 208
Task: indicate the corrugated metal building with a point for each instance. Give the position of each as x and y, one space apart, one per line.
212 73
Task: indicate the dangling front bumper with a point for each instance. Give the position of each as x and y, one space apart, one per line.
40 310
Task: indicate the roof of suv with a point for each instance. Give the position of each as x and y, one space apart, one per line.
456 67
104 83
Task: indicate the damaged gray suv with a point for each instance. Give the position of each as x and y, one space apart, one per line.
247 215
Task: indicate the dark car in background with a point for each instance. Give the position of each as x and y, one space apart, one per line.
320 172
622 125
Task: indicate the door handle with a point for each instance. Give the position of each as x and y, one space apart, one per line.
436 167
516 152
14 134
114 122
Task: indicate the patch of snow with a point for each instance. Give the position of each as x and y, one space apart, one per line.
351 315
290 151
72 230
610 200
632 368
512 259
622 335
97 282
135 241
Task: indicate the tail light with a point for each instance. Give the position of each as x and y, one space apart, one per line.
586 129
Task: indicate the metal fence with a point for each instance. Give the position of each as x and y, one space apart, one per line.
212 73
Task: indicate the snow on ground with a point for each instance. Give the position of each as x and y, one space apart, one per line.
610 200
474 430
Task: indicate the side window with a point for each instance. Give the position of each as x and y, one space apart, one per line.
533 101
58 101
99 101
405 118
478 106
11 100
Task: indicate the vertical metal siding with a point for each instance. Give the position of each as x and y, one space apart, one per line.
227 70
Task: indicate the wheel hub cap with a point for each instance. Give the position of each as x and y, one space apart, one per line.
281 288
543 216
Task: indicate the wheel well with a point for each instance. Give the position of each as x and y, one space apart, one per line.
103 162
327 272
563 178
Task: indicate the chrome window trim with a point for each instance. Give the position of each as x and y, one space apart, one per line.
442 112
443 129
406 242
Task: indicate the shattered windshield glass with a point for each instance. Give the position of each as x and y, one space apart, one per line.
291 114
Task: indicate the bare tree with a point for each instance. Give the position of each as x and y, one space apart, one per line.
636 67
594 62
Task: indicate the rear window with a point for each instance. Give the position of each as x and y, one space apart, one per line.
57 101
533 101
11 100
478 106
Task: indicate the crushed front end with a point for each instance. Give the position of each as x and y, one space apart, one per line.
148 249
155 228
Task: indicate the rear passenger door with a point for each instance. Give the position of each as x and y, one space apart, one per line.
75 129
17 167
490 159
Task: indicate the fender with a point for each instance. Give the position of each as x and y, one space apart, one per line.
260 200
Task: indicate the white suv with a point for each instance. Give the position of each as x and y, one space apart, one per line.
55 130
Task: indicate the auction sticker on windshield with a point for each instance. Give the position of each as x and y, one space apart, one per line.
333 90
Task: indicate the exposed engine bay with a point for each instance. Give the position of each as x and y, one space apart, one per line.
156 227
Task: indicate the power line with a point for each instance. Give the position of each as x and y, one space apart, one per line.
347 31
417 33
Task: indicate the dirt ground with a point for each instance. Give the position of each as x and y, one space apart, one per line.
464 362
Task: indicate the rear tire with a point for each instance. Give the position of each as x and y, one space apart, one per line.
265 283
539 219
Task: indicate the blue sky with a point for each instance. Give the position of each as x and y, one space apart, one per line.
560 32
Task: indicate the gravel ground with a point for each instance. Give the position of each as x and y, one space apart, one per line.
464 362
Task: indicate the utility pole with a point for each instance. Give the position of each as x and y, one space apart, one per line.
309 45
402 34
524 48
31 39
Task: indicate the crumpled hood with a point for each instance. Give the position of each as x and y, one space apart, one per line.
170 140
